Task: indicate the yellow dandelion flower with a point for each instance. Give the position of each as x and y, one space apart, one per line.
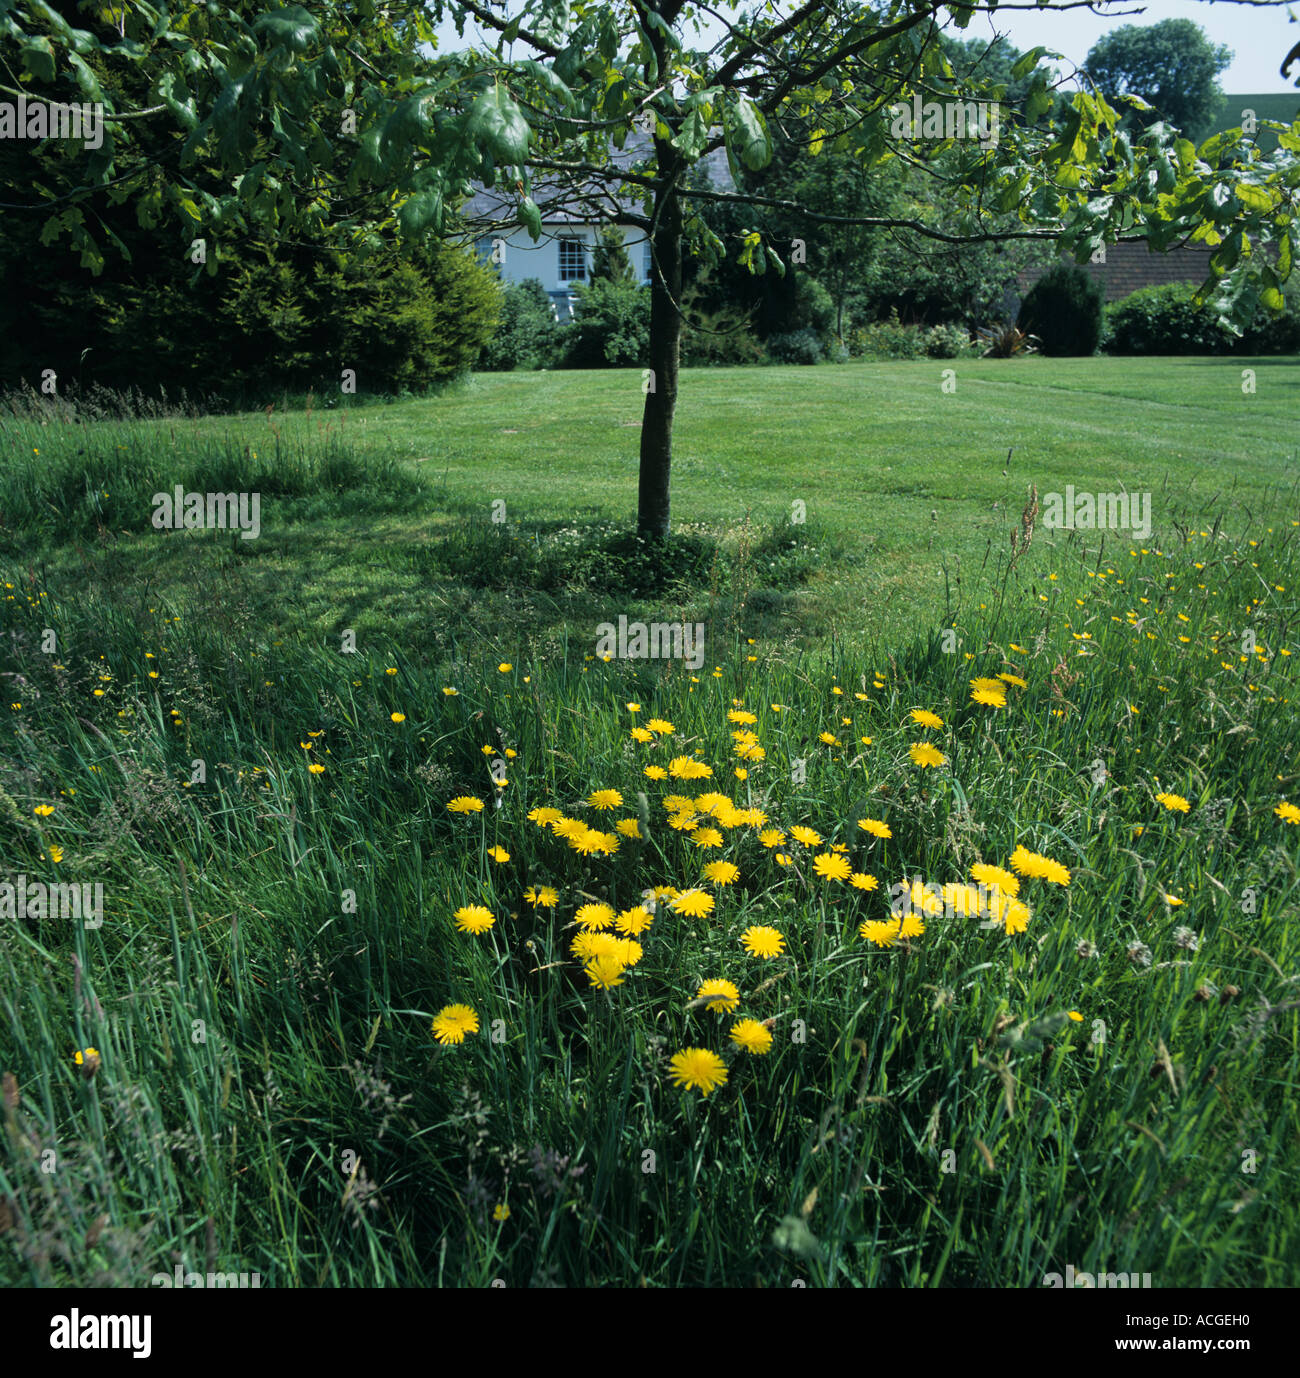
604 799
1288 813
1174 802
995 876
594 916
661 726
465 803
911 926
926 718
605 971
808 836
699 1069
721 872
695 903
633 921
720 995
474 918
688 768
761 941
453 1022
751 1035
1040 867
875 827
499 855
830 867
963 900
923 754
880 933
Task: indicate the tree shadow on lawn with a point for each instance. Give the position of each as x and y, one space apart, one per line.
454 582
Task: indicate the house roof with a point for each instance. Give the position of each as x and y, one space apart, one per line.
562 203
1131 265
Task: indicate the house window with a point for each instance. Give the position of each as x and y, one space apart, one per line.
573 260
484 250
647 262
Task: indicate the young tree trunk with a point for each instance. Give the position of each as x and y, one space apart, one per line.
653 507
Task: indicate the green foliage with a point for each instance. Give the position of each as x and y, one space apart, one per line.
276 318
796 347
610 326
721 337
528 335
1172 66
1064 309
888 339
1163 320
1006 341
934 283
947 341
1167 320
609 259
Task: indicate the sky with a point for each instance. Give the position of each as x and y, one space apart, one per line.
1259 37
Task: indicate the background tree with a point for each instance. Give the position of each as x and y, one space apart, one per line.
1171 65
609 260
336 119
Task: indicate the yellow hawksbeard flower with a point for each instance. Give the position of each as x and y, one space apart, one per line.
751 1035
699 1069
695 904
453 1022
923 754
831 867
719 995
1033 864
474 918
761 941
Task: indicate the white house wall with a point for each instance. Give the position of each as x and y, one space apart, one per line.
517 258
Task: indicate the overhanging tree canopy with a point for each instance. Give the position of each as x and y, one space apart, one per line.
335 118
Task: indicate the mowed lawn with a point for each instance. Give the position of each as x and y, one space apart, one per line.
909 484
